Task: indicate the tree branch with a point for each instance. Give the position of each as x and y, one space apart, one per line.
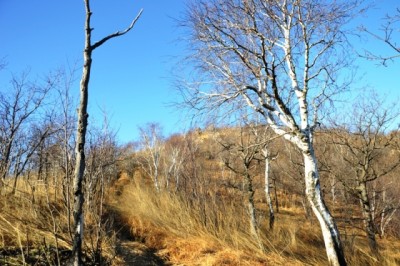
118 33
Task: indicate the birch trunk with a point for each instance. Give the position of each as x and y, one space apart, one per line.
276 196
333 188
328 226
267 189
275 58
386 215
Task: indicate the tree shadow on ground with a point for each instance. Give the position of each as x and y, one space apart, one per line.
135 253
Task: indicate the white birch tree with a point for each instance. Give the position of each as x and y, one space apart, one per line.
151 141
173 164
267 185
279 58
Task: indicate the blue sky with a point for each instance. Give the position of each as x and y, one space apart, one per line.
131 74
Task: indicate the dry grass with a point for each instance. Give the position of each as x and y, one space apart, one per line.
179 232
164 221
31 219
34 226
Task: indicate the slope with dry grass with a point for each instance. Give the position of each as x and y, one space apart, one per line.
164 222
203 220
35 227
32 226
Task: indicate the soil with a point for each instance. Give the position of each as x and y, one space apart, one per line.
135 253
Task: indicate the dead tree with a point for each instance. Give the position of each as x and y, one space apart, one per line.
82 127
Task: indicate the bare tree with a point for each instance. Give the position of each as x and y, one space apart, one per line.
240 155
279 58
388 35
174 160
267 184
365 147
103 153
82 127
17 108
390 204
263 137
29 142
152 148
65 137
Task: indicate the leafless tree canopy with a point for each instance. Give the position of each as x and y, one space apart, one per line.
389 34
278 58
267 54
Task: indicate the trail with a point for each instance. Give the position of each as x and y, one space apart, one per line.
129 251
135 253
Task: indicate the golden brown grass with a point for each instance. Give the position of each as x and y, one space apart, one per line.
31 218
164 221
34 225
178 231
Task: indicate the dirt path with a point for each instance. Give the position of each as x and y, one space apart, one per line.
128 250
135 253
131 252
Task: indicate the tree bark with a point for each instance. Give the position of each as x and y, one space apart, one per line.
252 210
276 196
81 132
314 195
80 144
369 224
267 189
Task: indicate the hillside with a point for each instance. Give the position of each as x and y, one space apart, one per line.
199 215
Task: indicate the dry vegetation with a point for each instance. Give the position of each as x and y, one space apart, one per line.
211 228
200 198
200 219
34 227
